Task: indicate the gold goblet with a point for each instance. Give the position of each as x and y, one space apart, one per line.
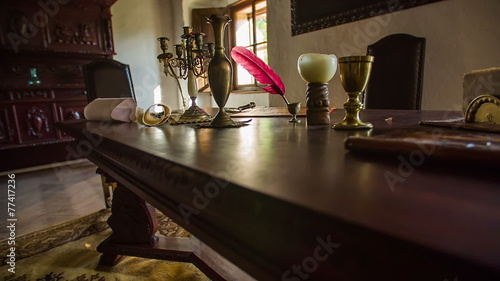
354 75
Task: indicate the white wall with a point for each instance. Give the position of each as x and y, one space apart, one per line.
462 35
136 27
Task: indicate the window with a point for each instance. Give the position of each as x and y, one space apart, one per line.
241 32
248 29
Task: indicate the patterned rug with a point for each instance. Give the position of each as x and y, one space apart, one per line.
67 252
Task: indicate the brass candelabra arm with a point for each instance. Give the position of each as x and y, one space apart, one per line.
200 66
169 71
170 65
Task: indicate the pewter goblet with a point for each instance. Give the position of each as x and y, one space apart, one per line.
294 109
354 75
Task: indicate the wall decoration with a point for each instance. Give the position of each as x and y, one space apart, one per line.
36 122
311 15
76 33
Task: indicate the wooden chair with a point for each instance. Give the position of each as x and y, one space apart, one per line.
397 73
107 78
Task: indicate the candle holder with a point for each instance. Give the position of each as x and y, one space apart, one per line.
190 61
317 70
354 75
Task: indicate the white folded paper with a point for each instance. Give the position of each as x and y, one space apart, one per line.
111 109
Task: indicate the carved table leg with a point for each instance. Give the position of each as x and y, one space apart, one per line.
108 186
133 222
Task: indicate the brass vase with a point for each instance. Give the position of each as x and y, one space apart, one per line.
354 75
220 73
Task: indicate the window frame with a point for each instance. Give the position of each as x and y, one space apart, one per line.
232 9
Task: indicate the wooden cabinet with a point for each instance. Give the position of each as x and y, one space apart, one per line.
56 37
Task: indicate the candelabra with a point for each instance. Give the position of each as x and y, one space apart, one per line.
190 61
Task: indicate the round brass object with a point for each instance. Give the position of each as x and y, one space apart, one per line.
484 109
156 115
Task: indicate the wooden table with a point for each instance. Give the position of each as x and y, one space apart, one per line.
286 201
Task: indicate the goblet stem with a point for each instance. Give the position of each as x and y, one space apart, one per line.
351 119
294 109
294 119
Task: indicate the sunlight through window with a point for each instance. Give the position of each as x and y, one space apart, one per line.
251 32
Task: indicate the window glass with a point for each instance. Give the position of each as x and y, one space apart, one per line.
251 32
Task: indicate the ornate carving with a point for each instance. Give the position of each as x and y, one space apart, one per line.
76 33
72 114
108 34
32 94
36 122
4 133
132 220
20 25
318 105
71 93
66 70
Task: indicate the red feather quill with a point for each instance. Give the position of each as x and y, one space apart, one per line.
260 70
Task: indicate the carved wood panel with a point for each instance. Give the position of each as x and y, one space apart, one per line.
77 31
16 71
36 122
7 126
23 25
69 111
57 38
72 94
3 42
75 26
27 94
5 96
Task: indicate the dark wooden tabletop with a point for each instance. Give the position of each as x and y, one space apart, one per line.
267 194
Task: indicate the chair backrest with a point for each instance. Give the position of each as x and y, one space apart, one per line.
397 74
107 78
